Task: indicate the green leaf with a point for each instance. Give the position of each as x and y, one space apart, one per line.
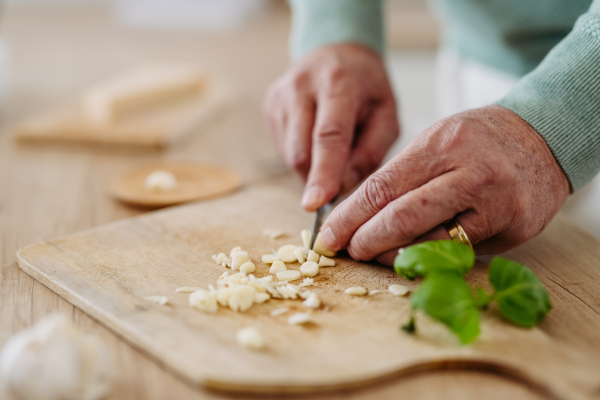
409 327
482 299
435 256
520 295
448 298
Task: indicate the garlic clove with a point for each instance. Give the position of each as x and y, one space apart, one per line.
277 266
326 262
286 253
356 291
320 248
309 268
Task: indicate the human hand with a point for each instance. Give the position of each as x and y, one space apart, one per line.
486 166
333 117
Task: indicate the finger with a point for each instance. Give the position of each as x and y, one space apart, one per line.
379 132
331 140
437 233
412 215
413 167
297 141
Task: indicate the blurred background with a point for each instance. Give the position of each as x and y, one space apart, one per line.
52 50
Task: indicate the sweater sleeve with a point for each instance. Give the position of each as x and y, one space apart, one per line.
560 99
317 23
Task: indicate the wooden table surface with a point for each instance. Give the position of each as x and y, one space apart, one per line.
50 190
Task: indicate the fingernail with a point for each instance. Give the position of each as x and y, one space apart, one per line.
328 238
313 198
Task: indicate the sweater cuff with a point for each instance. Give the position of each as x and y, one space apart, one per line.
560 99
317 23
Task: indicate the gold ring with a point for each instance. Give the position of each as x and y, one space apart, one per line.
456 232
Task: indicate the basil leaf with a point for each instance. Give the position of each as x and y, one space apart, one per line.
448 298
520 295
482 299
435 256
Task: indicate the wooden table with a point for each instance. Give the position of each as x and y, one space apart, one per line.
48 191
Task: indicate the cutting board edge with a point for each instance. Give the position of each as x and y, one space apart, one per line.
443 363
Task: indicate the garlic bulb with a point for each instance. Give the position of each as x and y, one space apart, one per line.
53 360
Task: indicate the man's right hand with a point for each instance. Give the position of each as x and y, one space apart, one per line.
333 118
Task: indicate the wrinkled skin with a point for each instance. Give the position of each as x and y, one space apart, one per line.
333 117
485 166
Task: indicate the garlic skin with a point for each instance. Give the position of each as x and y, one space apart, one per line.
54 360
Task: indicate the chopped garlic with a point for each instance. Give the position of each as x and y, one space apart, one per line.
269 258
312 256
277 267
260 298
221 258
307 282
160 181
300 254
286 253
289 275
279 311
238 258
224 275
160 300
356 291
299 318
234 250
214 257
306 236
250 338
320 248
398 290
309 268
187 289
312 301
273 233
223 296
374 292
286 293
305 294
326 262
203 300
247 267
242 298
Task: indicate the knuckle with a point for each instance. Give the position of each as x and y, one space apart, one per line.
359 247
299 81
299 160
333 135
376 193
402 222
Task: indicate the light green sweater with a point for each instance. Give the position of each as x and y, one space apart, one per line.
555 42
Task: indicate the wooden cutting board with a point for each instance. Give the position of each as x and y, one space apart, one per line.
109 270
156 127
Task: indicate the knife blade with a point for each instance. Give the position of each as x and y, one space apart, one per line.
320 217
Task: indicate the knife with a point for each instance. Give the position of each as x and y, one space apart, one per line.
320 217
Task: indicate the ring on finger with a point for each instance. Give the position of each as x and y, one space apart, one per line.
456 232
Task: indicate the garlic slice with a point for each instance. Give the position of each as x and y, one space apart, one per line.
237 259
320 248
299 318
326 262
161 181
312 256
306 235
187 289
300 254
247 267
242 298
286 253
277 267
205 301
269 258
356 291
312 301
289 275
250 338
273 233
160 300
398 290
309 268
